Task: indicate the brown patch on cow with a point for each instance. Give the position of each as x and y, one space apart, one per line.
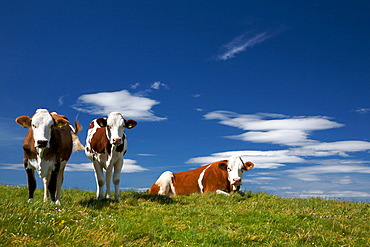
216 178
223 165
154 189
99 141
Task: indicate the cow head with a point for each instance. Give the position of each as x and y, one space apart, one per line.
235 168
41 124
115 125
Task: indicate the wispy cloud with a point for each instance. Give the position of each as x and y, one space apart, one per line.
138 107
240 44
61 100
157 85
273 128
362 110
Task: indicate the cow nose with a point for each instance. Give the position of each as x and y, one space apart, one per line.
237 181
117 141
42 143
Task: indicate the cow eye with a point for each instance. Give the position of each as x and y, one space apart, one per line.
34 126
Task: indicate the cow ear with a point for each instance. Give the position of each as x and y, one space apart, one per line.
60 123
24 121
102 122
222 166
248 166
130 123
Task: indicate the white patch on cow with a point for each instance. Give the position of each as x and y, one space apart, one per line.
235 170
41 126
200 180
43 167
90 134
115 127
165 184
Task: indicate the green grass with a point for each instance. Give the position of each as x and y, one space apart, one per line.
139 219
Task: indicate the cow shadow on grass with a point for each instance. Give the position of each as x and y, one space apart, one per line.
130 198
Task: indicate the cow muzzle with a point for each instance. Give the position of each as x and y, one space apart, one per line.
42 143
117 141
236 181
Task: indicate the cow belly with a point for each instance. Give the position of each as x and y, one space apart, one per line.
105 160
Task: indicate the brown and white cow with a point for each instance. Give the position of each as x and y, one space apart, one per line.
222 177
47 148
106 144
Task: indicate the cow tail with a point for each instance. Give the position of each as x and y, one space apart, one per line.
76 142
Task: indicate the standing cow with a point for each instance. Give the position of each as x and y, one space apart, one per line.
222 177
47 148
106 144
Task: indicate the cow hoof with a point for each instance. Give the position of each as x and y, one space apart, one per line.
57 202
30 200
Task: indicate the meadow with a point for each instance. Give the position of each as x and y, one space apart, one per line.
139 219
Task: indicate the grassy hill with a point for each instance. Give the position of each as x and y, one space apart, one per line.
139 219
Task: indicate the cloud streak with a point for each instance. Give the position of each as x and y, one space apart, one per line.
240 44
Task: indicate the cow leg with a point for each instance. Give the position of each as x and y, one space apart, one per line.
108 177
116 178
31 181
99 176
222 192
52 186
46 181
59 182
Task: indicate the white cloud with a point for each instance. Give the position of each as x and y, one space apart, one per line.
240 44
283 137
136 85
103 103
156 85
316 173
147 155
129 166
361 110
261 159
273 128
335 194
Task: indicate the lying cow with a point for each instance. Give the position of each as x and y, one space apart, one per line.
47 148
106 144
221 177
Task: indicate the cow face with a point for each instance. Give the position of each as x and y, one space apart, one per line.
115 125
41 124
235 169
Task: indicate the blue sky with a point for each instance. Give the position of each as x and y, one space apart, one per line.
283 83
